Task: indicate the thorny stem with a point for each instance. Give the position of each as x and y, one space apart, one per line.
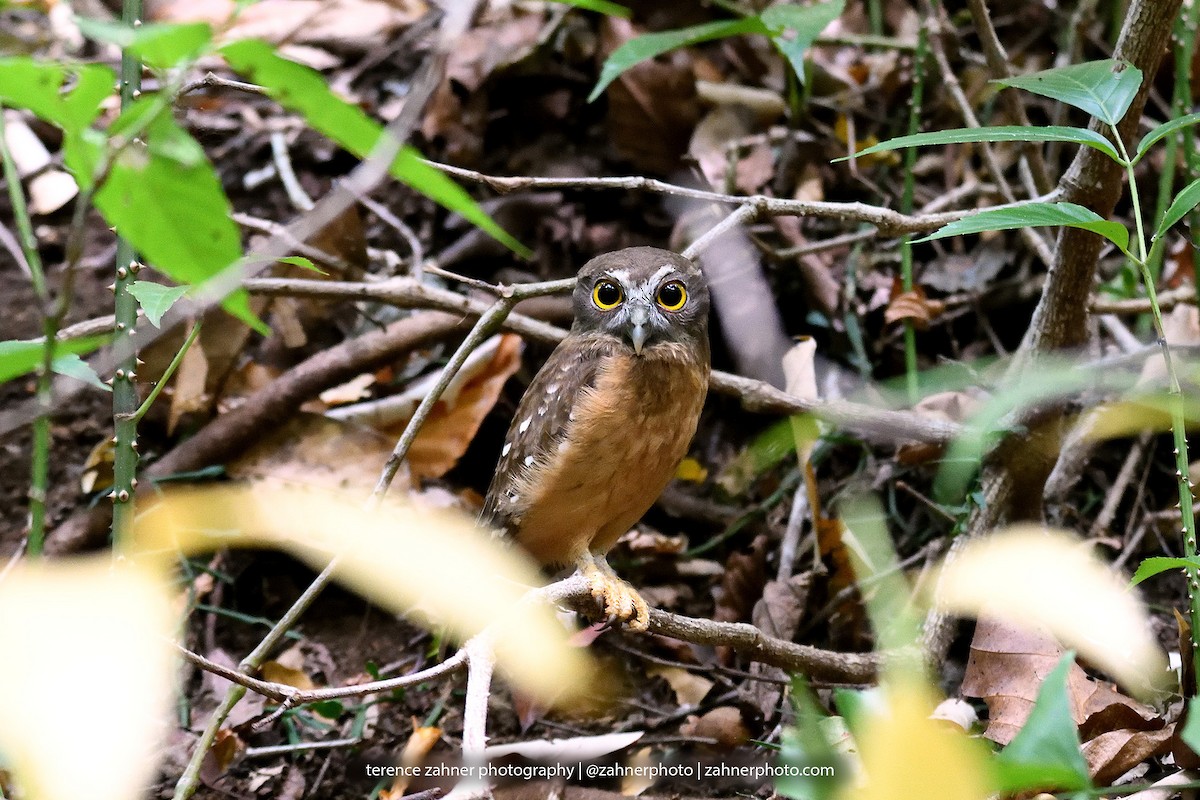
125 393
1175 400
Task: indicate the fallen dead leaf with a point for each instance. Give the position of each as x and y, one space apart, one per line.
724 724
689 687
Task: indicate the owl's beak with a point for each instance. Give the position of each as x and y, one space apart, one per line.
639 329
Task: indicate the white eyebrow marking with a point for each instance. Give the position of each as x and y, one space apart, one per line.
662 272
622 275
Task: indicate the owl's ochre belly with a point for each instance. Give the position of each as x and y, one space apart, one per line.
624 450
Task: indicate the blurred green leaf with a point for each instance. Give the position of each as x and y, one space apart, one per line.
1002 133
1166 129
22 356
303 263
603 6
160 45
71 365
1103 89
303 90
805 745
38 87
1190 733
806 22
1045 754
156 299
648 45
1031 215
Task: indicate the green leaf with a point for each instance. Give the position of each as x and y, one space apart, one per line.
303 263
1191 729
160 45
1045 754
300 89
647 46
1157 564
1003 133
1032 215
1103 89
603 6
805 745
806 22
22 356
156 299
330 709
71 365
163 195
1166 129
1183 203
38 87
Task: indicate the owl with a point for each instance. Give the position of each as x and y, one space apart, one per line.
605 423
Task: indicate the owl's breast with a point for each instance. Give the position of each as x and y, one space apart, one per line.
626 436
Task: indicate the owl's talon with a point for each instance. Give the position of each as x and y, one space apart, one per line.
620 601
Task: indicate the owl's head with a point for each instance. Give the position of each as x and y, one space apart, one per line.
645 297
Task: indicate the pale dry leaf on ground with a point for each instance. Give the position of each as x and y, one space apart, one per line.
689 688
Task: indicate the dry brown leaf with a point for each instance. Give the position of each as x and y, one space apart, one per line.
652 107
288 668
1110 755
724 724
188 388
420 742
689 687
314 451
913 306
1006 668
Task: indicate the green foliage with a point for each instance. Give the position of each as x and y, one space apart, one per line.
1103 89
161 46
303 90
1030 215
21 357
1163 130
156 299
1001 133
805 745
1158 564
1046 753
1183 203
805 23
37 86
603 6
303 263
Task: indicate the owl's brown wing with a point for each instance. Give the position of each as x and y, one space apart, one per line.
539 426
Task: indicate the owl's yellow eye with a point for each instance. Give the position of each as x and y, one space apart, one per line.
672 296
607 295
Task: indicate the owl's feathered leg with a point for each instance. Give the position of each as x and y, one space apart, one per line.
621 601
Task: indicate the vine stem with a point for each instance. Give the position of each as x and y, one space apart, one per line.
1175 401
